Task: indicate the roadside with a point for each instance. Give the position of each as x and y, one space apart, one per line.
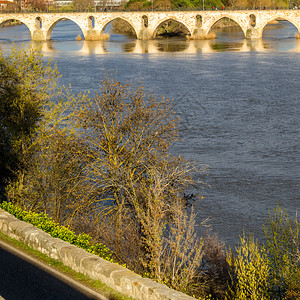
91 288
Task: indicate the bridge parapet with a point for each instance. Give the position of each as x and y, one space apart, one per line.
113 275
145 24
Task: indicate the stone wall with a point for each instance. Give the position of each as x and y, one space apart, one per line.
115 276
145 24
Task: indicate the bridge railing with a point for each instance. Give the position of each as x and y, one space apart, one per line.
119 9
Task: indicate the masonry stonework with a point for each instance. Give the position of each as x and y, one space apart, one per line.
113 275
145 24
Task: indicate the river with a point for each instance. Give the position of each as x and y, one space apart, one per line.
238 103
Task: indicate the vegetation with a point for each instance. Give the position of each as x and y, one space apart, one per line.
101 166
83 5
26 86
158 5
121 26
97 171
283 244
165 5
271 271
250 271
45 223
37 5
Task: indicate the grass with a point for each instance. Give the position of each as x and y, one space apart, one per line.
96 285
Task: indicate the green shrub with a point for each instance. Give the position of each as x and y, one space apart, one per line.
147 4
282 235
46 224
270 272
250 271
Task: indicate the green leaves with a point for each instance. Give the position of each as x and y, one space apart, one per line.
251 268
26 86
283 243
271 271
45 223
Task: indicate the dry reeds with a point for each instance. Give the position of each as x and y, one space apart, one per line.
97 36
78 38
297 35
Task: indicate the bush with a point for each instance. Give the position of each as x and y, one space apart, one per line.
271 271
283 246
46 224
250 271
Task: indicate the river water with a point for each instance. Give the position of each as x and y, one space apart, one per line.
238 103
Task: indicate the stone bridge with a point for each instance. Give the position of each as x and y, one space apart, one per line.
145 24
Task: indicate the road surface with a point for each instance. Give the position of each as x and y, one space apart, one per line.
23 277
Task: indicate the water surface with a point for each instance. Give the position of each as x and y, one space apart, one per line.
238 103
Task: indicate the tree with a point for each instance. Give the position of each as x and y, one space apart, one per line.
16 5
125 133
83 5
26 86
37 5
137 184
163 5
104 162
53 177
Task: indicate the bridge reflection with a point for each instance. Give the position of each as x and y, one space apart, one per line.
166 46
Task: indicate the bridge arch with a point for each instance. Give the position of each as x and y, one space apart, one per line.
123 19
52 25
226 16
13 37
158 24
282 17
2 22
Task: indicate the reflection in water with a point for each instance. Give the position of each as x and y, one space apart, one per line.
164 46
277 30
18 33
277 37
231 33
177 46
221 47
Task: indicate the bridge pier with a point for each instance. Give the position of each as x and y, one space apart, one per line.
38 35
198 34
145 34
93 35
253 33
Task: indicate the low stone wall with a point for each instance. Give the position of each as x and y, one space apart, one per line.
115 276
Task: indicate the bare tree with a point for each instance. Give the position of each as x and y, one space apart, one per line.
16 5
103 165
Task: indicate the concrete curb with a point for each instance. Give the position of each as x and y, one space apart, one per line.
113 275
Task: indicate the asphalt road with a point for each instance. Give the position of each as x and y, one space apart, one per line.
22 277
